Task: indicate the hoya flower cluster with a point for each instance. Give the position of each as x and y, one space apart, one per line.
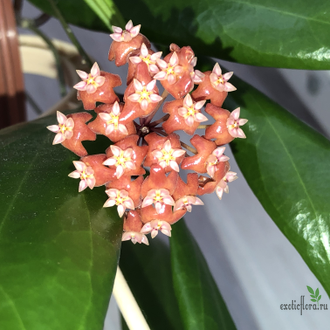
155 202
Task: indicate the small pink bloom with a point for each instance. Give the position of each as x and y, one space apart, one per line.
121 159
186 202
167 156
63 129
90 81
197 76
85 174
135 237
169 71
214 159
233 124
220 81
144 94
149 59
119 198
112 120
154 226
125 35
158 197
191 111
223 186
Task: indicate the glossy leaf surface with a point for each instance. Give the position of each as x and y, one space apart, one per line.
288 34
90 14
200 302
58 248
286 164
147 270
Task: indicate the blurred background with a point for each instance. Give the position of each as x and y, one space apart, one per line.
253 264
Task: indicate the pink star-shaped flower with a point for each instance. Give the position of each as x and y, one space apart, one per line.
169 70
64 129
85 173
121 159
135 237
119 198
144 94
158 197
158 153
214 159
112 120
90 81
167 156
223 186
234 123
220 81
187 202
126 35
149 59
154 226
191 111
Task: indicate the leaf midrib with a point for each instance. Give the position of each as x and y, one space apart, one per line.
288 154
12 303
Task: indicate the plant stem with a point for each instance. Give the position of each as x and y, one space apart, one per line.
191 149
29 24
34 105
85 58
157 122
42 19
203 126
127 304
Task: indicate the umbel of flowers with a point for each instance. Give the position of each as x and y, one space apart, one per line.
155 202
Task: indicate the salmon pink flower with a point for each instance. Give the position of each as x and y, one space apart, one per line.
167 156
135 237
169 71
223 183
85 174
63 129
112 120
185 193
159 197
90 81
154 226
144 94
233 124
186 202
220 81
121 159
149 59
119 198
191 111
126 35
214 159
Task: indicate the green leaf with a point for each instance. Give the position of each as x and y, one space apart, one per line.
310 289
313 296
313 300
200 301
249 31
286 164
147 270
58 248
90 14
316 292
253 32
318 299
